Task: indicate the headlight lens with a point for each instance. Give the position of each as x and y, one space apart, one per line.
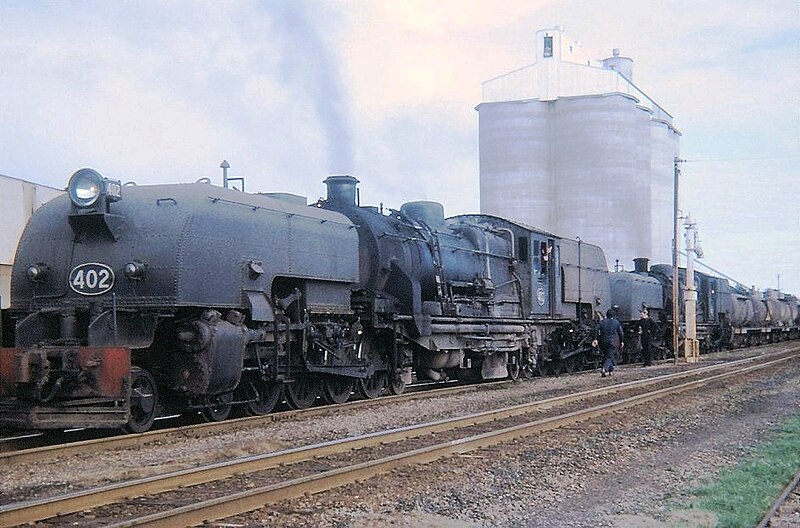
85 187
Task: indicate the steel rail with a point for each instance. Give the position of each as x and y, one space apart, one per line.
34 510
788 490
241 502
196 430
18 456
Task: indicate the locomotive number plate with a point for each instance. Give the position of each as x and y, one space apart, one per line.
91 278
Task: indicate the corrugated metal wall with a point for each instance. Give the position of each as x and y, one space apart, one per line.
18 199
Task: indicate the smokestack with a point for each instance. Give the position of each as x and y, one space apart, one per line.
341 190
640 265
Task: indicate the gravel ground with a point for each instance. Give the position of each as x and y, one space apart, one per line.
632 469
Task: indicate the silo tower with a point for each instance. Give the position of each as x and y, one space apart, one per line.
571 145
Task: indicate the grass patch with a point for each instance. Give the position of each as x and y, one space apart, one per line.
740 496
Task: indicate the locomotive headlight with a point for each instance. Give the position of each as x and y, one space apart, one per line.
135 270
86 187
37 272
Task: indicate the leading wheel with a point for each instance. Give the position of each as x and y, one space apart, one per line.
373 386
301 393
217 408
143 401
337 389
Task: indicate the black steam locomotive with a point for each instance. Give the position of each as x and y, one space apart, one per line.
130 302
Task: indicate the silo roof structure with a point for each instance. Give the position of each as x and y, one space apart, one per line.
571 145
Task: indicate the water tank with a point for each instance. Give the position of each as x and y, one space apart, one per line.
740 311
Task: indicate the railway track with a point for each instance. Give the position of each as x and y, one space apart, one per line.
22 448
790 493
32 448
195 495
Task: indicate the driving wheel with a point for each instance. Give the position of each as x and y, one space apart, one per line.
301 393
337 389
372 387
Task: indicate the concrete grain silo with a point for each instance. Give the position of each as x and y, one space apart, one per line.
572 146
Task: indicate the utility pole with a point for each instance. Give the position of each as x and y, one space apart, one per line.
675 230
580 301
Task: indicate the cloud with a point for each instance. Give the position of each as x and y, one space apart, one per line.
291 91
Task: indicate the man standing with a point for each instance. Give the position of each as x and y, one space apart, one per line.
610 335
647 329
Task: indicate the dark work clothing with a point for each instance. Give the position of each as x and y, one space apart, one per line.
647 329
609 335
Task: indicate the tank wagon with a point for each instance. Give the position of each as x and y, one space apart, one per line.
728 315
131 302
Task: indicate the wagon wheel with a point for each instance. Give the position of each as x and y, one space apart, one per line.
260 397
301 393
217 408
143 401
373 386
337 389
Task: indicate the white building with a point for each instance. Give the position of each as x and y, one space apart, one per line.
18 200
571 145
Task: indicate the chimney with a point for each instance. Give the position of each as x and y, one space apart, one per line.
640 264
341 190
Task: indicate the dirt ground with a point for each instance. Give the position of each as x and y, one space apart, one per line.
634 469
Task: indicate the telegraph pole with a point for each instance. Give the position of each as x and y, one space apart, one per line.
675 231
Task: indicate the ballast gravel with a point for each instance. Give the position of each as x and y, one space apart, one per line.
635 468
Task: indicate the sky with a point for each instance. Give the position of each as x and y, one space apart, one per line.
289 92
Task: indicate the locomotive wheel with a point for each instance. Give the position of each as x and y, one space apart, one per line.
260 396
301 393
144 401
397 387
217 408
337 389
373 386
